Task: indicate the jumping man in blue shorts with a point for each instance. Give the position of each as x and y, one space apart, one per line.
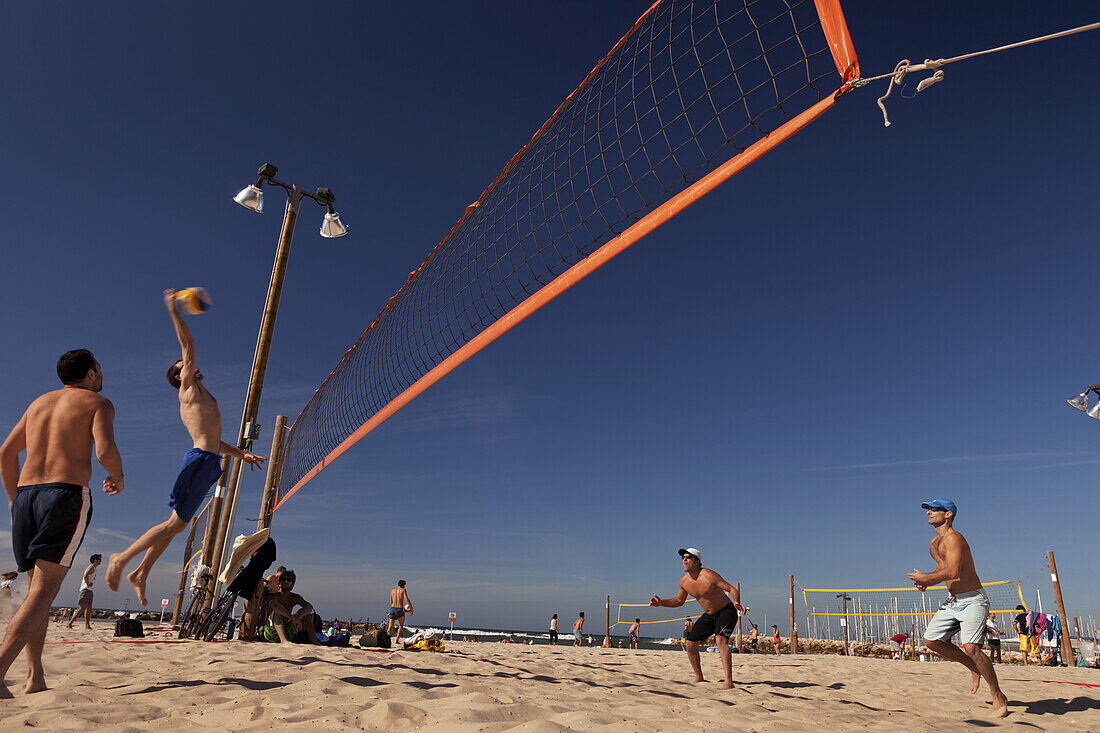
201 465
965 610
719 612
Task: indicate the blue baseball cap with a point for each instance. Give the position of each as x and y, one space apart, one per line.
946 504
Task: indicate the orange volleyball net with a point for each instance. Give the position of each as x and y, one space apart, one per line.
694 92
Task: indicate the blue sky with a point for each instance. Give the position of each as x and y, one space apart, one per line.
865 319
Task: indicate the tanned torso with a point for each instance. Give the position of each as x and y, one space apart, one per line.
705 590
59 436
398 598
968 576
200 415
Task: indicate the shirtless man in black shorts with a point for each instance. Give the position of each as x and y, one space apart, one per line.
201 465
49 497
719 612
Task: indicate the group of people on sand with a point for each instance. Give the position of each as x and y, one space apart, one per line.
51 502
965 612
51 507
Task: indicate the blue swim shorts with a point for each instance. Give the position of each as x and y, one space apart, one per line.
200 470
48 522
396 613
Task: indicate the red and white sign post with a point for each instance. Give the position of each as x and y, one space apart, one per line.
452 617
163 606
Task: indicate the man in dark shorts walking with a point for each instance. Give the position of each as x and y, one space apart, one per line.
201 465
49 497
719 612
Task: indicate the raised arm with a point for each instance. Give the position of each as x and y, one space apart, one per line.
183 333
106 452
15 444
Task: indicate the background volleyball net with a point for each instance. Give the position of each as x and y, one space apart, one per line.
695 91
876 614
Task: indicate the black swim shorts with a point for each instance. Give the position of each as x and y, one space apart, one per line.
48 522
721 623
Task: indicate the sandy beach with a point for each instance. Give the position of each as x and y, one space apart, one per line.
99 683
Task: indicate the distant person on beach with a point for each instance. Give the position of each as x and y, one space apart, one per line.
285 624
578 625
754 638
632 633
49 498
965 610
1027 645
201 465
719 615
993 636
554 629
399 604
7 595
684 633
897 646
84 597
776 641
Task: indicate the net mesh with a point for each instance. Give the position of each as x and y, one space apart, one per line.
875 614
691 85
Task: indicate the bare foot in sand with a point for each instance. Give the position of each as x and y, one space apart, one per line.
1000 706
114 571
727 685
5 693
975 682
699 679
138 582
35 684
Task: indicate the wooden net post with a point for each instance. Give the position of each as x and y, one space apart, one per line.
607 612
252 609
212 543
183 572
1067 648
740 633
794 632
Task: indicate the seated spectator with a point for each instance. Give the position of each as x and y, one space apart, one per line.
284 623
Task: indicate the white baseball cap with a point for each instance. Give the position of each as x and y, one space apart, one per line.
691 551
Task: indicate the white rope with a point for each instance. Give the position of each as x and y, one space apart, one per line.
897 76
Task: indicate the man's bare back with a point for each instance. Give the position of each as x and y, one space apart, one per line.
398 598
59 428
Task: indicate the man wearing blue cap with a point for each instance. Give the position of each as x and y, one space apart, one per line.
965 610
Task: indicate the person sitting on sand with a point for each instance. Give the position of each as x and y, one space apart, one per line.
84 597
578 625
399 604
284 624
719 615
632 633
965 610
201 465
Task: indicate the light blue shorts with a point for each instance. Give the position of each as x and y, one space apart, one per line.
964 614
576 633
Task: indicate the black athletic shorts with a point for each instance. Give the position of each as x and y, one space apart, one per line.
48 522
721 623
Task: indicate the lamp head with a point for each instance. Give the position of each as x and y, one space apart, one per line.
332 227
1079 402
252 197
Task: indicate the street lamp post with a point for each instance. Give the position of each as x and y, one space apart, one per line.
252 198
844 619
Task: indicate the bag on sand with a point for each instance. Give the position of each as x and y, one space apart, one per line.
129 627
377 638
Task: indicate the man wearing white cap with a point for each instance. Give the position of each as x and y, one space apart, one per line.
719 612
965 610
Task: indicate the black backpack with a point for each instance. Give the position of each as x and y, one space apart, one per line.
129 627
375 639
